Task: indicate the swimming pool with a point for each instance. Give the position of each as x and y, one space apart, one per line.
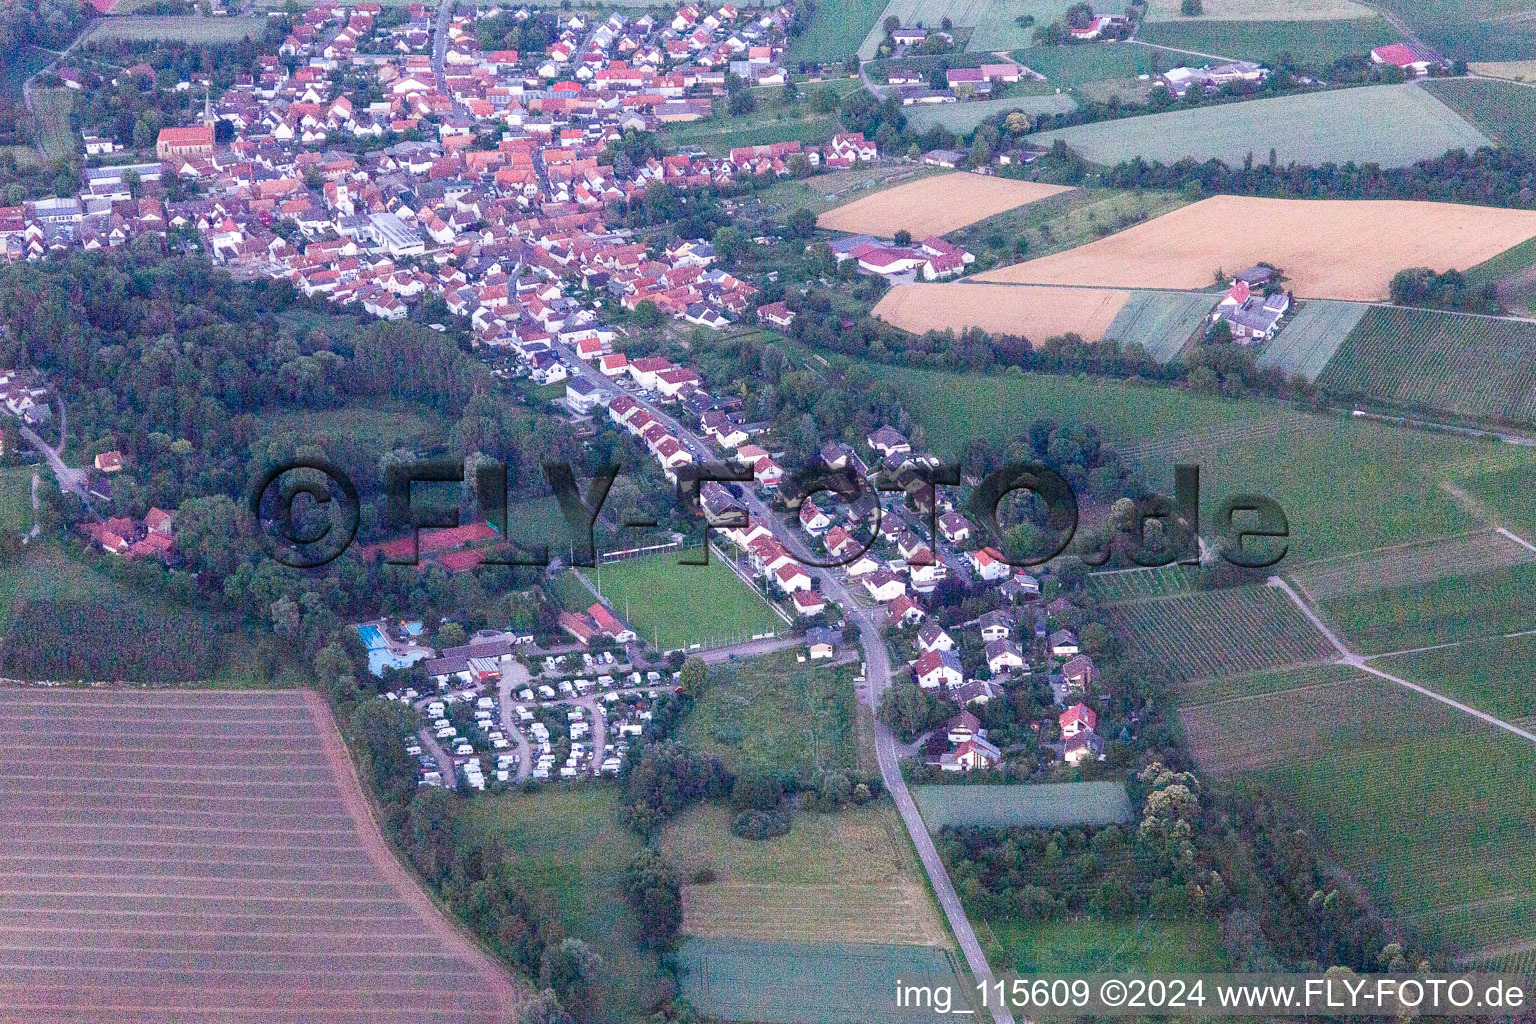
373 637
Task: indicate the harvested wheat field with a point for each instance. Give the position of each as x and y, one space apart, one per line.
200 856
1329 249
1033 313
935 206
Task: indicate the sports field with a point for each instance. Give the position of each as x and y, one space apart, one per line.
683 606
1160 322
1039 806
1314 44
849 876
963 117
1503 111
1392 125
1032 312
189 28
1315 332
785 982
1337 249
210 855
935 205
773 713
1260 10
1479 367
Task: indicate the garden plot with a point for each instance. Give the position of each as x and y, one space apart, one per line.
1341 249
1020 310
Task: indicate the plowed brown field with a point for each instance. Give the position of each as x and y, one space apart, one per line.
199 856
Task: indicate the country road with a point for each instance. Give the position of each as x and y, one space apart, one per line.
877 671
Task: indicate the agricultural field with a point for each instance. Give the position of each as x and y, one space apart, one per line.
1061 222
1132 584
1160 322
994 19
849 876
1315 332
569 847
1260 10
1503 111
61 619
1508 493
1493 675
774 714
954 407
1409 564
683 606
1392 125
1043 806
826 191
836 30
209 855
52 110
1486 30
1338 249
377 425
935 205
772 121
1312 43
1436 828
1257 684
188 28
1216 633
1036 313
1478 367
1514 70
1094 945
1399 618
786 982
1252 732
16 498
1345 485
1068 67
964 117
